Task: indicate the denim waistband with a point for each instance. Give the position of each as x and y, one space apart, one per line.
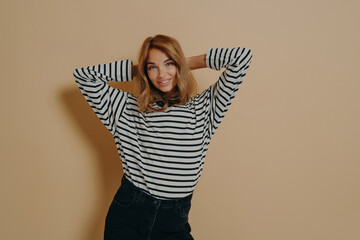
143 196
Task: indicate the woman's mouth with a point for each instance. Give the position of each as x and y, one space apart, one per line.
164 82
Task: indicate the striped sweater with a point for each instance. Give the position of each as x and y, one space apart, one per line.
163 153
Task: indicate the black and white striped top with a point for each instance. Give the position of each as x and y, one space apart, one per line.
163 152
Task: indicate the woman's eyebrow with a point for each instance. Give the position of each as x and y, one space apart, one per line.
164 61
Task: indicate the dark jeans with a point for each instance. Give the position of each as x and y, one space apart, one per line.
136 215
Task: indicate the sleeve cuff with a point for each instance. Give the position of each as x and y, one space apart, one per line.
211 61
124 70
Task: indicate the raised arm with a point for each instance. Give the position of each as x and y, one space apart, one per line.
106 101
217 99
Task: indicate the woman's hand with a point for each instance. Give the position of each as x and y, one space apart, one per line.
196 62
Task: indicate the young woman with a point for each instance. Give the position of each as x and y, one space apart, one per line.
163 134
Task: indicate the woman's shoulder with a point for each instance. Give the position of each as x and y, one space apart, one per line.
200 97
132 97
131 101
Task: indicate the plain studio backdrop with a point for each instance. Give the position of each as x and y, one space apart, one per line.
283 165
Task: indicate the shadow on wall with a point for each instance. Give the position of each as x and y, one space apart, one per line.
108 162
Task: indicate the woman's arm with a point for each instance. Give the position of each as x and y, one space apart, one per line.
218 97
134 69
106 101
196 62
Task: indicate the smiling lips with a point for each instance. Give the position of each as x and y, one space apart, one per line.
164 82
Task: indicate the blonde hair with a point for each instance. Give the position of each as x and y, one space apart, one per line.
149 94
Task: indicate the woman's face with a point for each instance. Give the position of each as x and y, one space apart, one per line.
161 70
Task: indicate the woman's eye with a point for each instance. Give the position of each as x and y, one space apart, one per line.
169 63
151 67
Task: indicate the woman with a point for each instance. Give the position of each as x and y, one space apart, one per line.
163 134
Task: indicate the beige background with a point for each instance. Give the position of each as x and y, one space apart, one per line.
283 165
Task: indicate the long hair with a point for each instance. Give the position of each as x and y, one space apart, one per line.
185 87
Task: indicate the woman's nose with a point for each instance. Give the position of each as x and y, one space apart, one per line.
162 72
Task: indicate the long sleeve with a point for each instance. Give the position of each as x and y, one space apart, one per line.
217 99
106 101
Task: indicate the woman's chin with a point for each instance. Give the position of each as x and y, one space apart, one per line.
166 89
